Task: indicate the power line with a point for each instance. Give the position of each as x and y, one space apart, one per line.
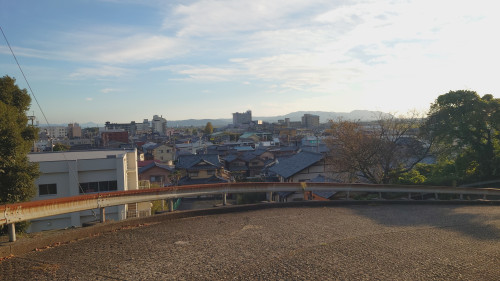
24 76
41 111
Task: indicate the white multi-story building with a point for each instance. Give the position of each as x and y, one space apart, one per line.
56 132
65 174
159 124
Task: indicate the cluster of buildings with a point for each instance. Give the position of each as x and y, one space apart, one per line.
112 135
149 154
244 120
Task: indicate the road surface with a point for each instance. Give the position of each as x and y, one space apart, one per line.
358 242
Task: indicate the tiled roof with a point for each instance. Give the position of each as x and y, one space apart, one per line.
248 156
155 164
244 148
296 163
238 168
324 194
247 135
213 179
321 148
231 158
187 161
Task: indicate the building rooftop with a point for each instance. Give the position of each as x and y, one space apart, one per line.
296 163
75 155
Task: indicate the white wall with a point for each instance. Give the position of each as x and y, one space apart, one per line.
67 174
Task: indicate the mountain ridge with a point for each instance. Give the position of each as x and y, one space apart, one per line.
324 116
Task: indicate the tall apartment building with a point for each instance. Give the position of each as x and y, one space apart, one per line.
242 118
56 132
159 125
310 121
143 128
74 131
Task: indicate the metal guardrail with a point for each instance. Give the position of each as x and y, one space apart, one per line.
12 213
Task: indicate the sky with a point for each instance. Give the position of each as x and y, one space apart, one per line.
122 61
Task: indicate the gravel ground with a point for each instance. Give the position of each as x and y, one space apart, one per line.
370 242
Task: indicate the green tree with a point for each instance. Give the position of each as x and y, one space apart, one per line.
61 147
209 129
17 174
466 128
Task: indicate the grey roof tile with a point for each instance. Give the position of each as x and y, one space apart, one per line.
296 163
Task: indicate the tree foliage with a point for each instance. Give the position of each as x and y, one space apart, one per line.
17 174
378 152
467 129
209 129
61 147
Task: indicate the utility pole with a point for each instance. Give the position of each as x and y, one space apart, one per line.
32 118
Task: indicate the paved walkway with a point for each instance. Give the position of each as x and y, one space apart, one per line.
369 242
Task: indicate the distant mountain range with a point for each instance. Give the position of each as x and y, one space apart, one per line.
324 116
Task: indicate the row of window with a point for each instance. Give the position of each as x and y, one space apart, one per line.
85 187
98 186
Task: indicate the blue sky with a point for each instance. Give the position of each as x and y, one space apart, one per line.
123 61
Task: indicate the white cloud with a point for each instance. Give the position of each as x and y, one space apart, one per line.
89 99
202 72
26 52
220 18
372 50
109 90
138 48
99 72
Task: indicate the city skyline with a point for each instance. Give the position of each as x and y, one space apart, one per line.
117 61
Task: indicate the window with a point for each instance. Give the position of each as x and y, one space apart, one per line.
113 185
156 178
210 172
193 174
101 186
104 186
47 189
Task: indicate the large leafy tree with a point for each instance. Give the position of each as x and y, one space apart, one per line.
17 174
209 129
378 152
467 129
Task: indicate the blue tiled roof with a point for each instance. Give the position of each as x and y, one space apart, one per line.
187 161
244 148
296 163
324 194
213 179
155 164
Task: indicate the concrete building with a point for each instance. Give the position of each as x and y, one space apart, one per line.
310 121
65 174
129 127
74 131
159 125
56 132
240 119
143 128
114 136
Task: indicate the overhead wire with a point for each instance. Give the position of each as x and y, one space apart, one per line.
41 111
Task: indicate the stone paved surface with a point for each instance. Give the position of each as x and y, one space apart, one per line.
370 242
